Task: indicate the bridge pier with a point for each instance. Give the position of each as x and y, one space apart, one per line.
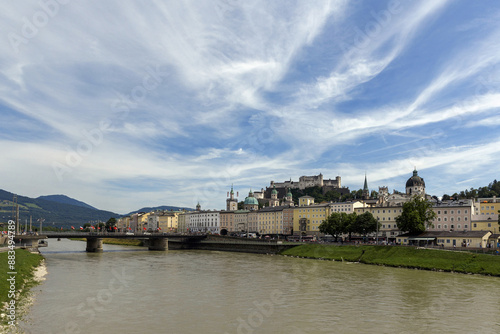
94 245
27 241
158 244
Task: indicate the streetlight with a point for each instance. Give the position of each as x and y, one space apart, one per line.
41 220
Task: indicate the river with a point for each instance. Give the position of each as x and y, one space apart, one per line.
131 290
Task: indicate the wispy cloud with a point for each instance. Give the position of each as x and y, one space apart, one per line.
171 102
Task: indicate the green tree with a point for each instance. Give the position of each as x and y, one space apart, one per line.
110 224
417 215
365 223
337 223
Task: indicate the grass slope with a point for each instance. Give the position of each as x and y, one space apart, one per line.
124 242
25 264
408 257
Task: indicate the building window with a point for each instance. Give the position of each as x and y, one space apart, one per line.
439 226
466 226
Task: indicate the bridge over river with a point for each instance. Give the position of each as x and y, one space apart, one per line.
162 241
155 241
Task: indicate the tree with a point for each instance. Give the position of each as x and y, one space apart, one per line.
110 224
365 223
337 223
417 215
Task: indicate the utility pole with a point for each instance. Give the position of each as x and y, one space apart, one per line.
17 218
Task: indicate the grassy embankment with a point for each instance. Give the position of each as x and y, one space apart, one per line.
407 257
25 264
113 241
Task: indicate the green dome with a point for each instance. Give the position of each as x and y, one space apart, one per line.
274 191
251 201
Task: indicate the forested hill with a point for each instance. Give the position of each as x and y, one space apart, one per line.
161 208
492 189
66 200
55 213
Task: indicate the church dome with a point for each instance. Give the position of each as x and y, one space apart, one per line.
251 200
415 181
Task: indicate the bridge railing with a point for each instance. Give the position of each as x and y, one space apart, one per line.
114 234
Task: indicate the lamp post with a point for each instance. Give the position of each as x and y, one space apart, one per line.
376 237
41 220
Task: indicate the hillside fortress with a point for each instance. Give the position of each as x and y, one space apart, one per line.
307 182
304 182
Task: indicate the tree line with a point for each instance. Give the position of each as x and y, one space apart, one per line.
416 216
329 196
339 223
492 189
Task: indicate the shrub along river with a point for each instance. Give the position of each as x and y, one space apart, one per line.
128 289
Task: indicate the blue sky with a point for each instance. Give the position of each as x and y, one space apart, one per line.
125 104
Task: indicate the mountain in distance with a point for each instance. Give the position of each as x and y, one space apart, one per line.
162 208
66 200
53 213
60 210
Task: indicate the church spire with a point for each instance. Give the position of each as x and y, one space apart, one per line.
366 191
